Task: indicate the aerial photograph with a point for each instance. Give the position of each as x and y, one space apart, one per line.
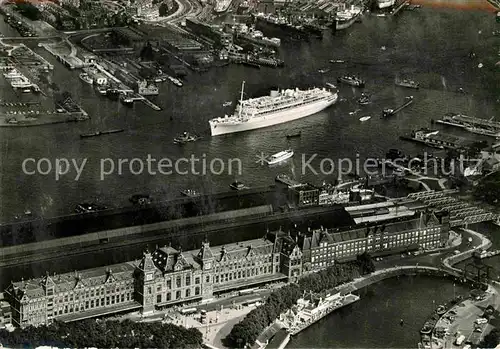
250 174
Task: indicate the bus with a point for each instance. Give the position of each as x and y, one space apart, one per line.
188 311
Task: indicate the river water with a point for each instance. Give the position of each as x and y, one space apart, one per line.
429 45
374 321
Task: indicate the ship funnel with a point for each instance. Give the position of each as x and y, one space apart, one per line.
274 93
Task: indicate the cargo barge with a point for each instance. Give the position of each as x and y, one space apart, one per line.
390 112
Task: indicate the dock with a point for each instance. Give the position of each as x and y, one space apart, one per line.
137 97
464 121
390 112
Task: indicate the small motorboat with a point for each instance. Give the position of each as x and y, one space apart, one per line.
365 118
330 85
337 61
236 185
186 137
322 71
294 135
227 104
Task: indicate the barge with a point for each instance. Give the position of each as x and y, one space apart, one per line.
390 112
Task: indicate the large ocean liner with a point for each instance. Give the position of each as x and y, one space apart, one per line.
277 108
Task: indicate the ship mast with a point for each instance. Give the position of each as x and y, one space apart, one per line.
241 98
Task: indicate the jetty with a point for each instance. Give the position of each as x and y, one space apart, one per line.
137 97
390 112
464 121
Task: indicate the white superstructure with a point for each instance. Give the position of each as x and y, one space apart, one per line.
277 108
385 3
279 157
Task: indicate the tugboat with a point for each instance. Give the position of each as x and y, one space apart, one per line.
351 80
364 99
238 186
186 137
407 83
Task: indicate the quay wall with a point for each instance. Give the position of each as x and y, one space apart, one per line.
116 235
150 233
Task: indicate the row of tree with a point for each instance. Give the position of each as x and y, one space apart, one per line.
247 331
104 334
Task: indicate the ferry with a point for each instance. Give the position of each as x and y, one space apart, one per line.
238 186
186 137
86 78
277 108
279 157
351 80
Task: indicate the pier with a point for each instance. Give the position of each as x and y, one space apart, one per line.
137 97
389 112
464 121
70 61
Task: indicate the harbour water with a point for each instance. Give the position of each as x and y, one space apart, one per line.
374 321
430 45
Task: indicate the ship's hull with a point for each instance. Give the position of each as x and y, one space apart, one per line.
385 3
276 118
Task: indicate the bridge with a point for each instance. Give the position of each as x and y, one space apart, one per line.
461 212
